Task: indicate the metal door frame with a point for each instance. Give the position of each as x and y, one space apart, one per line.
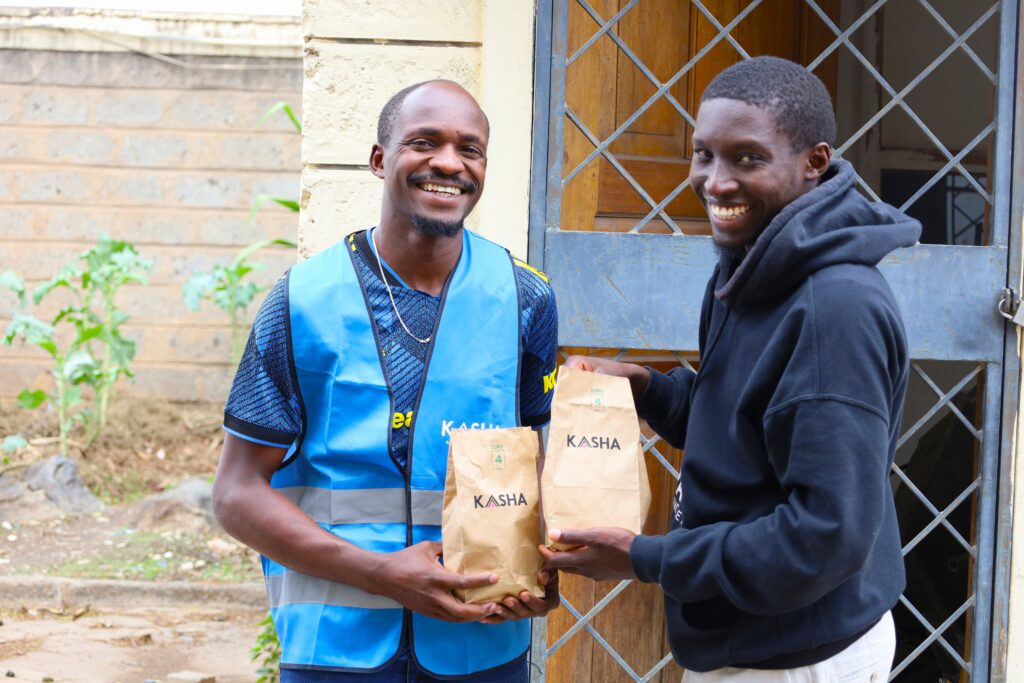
1001 355
1012 143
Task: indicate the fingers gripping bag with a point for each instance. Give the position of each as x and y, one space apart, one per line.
490 521
594 472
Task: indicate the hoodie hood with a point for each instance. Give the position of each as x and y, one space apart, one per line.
831 224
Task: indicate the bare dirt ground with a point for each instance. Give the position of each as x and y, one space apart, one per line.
149 447
127 647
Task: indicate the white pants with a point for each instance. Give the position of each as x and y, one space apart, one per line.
867 660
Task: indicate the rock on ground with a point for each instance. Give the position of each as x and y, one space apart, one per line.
186 507
48 489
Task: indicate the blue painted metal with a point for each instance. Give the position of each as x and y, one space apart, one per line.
541 125
1002 150
1009 191
635 291
559 46
542 100
985 525
644 292
949 317
897 98
941 21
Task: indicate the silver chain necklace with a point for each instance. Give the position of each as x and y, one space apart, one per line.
376 252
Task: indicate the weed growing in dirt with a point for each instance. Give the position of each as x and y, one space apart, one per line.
120 487
267 653
84 337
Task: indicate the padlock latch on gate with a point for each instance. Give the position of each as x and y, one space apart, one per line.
1010 308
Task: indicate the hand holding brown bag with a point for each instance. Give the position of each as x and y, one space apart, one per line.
490 521
594 472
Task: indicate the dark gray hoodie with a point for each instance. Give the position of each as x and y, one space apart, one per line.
785 547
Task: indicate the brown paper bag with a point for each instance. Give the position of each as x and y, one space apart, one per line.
594 471
490 521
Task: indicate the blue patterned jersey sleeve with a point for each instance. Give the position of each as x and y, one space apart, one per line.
263 405
540 345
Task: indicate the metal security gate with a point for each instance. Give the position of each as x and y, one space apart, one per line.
615 225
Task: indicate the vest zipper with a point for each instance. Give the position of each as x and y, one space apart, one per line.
407 615
361 243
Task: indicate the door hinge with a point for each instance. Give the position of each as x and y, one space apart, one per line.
1010 308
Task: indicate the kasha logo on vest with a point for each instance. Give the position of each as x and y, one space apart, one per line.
581 441
448 425
502 500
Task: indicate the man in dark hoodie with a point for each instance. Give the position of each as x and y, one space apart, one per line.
783 560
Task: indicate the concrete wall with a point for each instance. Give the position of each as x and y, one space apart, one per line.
166 152
359 53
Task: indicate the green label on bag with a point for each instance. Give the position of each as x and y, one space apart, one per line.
498 456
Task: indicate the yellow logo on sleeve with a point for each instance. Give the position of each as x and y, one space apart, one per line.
400 420
549 380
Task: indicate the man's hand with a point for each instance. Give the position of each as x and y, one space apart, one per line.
637 375
527 606
414 578
604 555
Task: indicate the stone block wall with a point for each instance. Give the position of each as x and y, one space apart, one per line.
167 154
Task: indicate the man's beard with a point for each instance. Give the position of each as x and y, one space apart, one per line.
434 227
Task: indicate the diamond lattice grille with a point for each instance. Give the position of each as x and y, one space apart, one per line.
945 155
935 477
938 438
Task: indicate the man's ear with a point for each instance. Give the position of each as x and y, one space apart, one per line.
377 160
818 161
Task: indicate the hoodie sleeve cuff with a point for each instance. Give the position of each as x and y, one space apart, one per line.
656 401
645 555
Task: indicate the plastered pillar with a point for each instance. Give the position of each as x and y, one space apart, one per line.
359 53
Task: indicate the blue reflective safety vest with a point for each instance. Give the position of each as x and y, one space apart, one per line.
341 471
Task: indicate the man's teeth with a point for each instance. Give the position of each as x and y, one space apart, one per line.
444 189
728 212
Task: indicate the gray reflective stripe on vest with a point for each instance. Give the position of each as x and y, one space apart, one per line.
293 588
365 506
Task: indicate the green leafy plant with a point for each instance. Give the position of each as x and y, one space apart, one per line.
12 281
267 652
289 112
110 265
84 338
227 286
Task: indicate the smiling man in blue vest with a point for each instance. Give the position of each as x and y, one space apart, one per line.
360 362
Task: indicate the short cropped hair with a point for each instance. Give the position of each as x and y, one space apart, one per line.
796 98
391 110
393 107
